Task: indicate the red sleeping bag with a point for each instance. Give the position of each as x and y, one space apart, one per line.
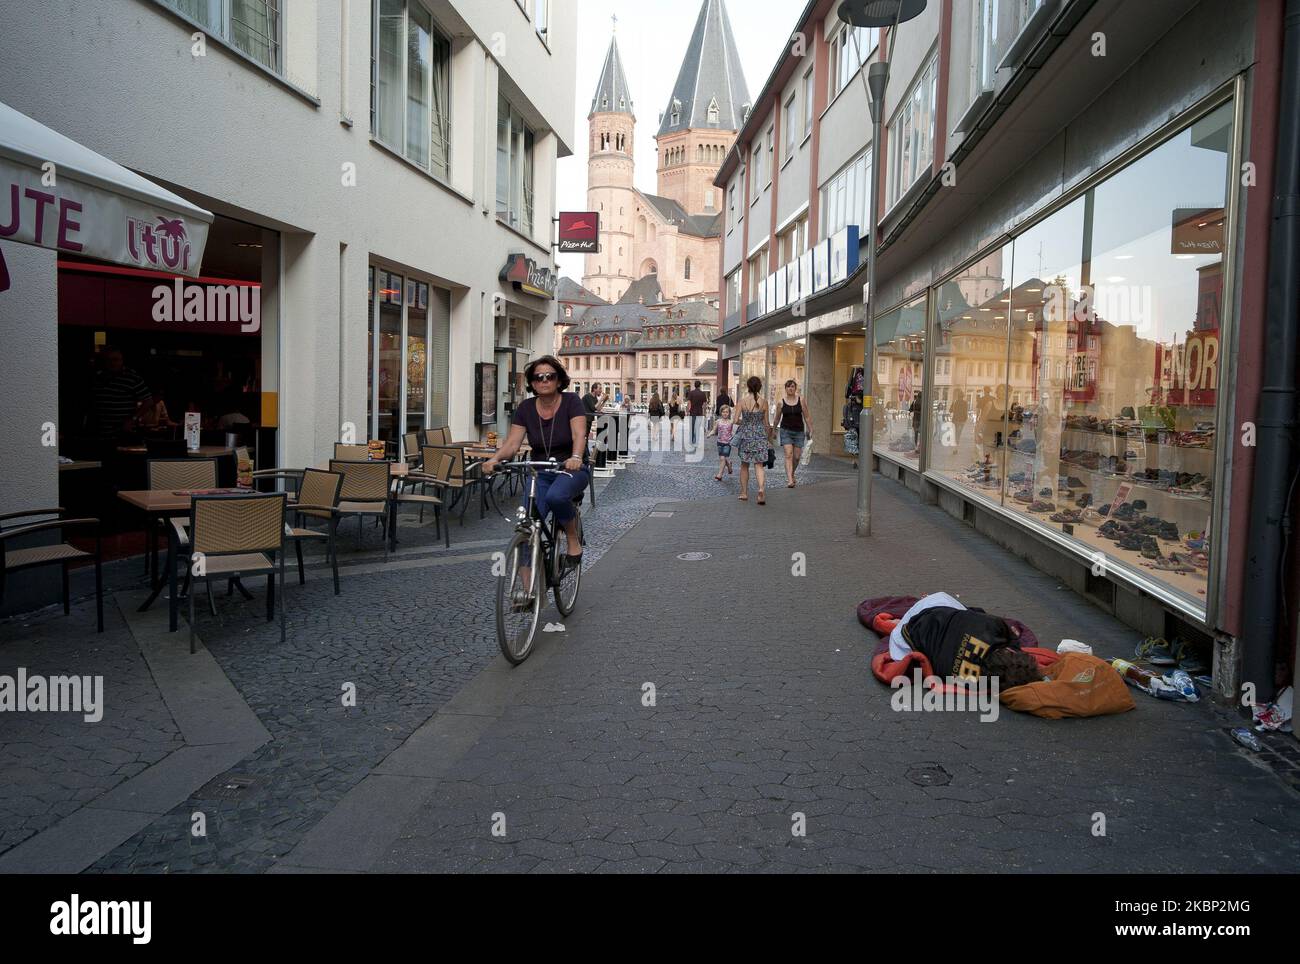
879 616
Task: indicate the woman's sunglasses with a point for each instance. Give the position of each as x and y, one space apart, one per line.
545 376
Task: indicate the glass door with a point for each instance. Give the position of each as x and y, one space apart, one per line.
417 356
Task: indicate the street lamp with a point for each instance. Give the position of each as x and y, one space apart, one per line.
873 13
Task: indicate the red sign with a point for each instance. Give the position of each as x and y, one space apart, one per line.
579 231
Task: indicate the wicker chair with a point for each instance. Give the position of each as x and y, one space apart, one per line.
318 499
61 553
437 470
411 448
461 478
292 478
177 475
367 491
437 436
352 453
238 535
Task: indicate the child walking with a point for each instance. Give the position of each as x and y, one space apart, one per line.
723 429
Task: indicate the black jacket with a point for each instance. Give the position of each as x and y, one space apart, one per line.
957 641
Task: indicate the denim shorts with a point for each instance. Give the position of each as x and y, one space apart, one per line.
724 450
792 438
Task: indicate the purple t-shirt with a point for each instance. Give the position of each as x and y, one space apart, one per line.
557 432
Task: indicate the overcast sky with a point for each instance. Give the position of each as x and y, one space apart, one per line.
652 38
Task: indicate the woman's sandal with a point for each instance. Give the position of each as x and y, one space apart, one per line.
761 500
743 498
717 478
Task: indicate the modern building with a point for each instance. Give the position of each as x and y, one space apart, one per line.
1073 251
673 234
382 175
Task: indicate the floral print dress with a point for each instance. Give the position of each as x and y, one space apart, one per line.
751 437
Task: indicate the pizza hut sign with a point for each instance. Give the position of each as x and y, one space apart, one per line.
527 276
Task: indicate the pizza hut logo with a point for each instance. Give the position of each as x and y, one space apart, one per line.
161 245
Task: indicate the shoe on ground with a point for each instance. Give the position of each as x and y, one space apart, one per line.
1157 651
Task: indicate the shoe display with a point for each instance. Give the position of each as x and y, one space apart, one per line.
1024 495
1045 492
1067 516
1111 529
1169 530
1038 505
1150 550
1131 541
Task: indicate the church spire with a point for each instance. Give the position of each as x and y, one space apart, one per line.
612 93
710 91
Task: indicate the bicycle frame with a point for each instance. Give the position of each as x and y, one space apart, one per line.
530 520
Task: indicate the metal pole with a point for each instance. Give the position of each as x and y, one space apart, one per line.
877 78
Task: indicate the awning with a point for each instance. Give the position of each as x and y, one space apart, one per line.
56 193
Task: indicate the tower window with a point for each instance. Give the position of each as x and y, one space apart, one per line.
713 112
688 269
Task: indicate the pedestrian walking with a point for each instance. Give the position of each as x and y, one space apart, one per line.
655 411
724 429
753 439
696 400
915 410
959 414
724 400
674 414
796 429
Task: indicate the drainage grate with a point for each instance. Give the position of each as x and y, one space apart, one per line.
694 556
929 776
226 788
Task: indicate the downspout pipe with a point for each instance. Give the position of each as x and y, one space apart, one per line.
1276 420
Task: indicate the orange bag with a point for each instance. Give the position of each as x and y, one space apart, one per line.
1077 685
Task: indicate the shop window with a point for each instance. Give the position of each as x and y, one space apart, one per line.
410 107
1104 429
253 27
899 410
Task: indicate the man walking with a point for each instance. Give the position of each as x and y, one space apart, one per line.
696 400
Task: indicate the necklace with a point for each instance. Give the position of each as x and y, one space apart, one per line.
550 434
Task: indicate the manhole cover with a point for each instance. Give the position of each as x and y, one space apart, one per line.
929 776
694 556
225 788
661 515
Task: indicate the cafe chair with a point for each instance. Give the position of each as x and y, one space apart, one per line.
176 475
292 479
411 448
462 478
438 436
367 491
60 554
318 500
354 453
436 474
236 536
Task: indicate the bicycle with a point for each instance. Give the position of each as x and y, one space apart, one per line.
534 547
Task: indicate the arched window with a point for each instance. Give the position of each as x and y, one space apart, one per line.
699 153
688 269
640 228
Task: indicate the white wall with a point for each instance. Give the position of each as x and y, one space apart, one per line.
242 143
29 473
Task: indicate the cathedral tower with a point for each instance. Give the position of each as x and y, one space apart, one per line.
704 113
611 125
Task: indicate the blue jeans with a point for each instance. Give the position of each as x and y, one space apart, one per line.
556 492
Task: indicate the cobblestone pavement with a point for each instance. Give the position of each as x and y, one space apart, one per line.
407 638
53 763
765 714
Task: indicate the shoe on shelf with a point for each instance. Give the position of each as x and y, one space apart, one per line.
1038 505
1169 530
1067 516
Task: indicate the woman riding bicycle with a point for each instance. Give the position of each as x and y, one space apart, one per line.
556 424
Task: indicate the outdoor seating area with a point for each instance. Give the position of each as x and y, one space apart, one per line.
195 530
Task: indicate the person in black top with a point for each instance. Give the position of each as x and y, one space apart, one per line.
796 429
695 402
555 422
723 399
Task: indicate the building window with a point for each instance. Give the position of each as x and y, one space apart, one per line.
568 311
410 95
542 17
731 205
514 168
677 359
771 147
733 293
756 173
676 117
850 48
664 359
911 134
845 198
253 27
788 125
809 105
713 112
688 269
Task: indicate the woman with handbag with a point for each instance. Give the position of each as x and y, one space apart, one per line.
753 439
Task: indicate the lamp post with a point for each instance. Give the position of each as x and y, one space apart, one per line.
873 13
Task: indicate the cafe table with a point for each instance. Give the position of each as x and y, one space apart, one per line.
163 504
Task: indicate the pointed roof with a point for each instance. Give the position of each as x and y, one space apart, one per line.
613 96
711 82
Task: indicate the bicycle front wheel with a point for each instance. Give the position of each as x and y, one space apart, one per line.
519 597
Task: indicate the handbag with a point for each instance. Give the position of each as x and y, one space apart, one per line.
771 457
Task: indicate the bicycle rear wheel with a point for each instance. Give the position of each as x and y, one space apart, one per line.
566 586
519 605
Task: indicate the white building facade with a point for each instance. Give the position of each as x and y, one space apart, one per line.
377 167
